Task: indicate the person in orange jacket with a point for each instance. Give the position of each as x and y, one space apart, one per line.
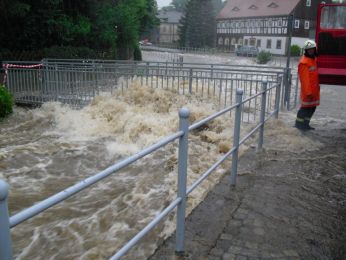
310 86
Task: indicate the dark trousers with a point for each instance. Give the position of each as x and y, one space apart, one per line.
304 116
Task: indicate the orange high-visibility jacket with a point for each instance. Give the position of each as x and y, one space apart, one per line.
310 86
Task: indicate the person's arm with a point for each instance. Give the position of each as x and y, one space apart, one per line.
303 72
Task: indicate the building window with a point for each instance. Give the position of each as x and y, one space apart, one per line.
308 2
226 41
252 41
306 25
278 44
233 41
220 41
246 42
258 43
240 41
296 24
269 44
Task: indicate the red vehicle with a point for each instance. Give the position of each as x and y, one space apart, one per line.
331 43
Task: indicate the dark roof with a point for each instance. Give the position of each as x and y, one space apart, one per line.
169 16
256 8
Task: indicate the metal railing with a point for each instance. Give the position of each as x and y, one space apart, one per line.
6 222
77 82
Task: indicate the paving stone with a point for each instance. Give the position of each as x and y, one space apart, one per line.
223 244
276 255
259 231
216 251
226 236
249 222
241 257
235 223
292 230
240 216
235 249
258 222
243 211
237 242
251 245
291 253
228 256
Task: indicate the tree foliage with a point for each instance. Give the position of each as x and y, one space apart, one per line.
179 5
198 25
6 102
105 24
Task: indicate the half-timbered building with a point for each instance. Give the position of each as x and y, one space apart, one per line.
264 23
168 30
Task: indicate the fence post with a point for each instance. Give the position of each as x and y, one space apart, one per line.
5 234
296 92
287 86
236 135
190 81
262 116
182 176
289 91
277 97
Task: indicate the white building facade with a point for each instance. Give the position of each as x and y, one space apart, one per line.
265 24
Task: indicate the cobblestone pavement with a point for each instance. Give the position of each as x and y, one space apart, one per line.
286 205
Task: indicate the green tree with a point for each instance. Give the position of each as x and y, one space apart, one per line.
96 24
198 25
179 5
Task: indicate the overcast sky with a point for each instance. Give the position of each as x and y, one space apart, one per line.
161 3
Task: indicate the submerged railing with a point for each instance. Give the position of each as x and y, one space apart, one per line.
6 222
77 82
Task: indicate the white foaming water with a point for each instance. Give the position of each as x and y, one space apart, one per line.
46 150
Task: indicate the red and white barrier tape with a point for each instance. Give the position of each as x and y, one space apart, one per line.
6 66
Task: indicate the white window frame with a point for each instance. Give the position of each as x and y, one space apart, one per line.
296 24
278 46
308 2
306 25
269 44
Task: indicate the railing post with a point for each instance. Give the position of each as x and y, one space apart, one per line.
262 116
5 234
287 87
182 176
296 92
277 97
190 81
289 90
146 72
236 135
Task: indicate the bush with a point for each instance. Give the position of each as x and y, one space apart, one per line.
137 54
295 50
69 52
263 57
6 102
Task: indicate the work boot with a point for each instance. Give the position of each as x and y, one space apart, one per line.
300 125
307 125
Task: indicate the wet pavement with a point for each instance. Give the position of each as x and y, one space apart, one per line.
286 205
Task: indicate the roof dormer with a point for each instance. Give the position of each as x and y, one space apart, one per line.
273 5
253 7
236 9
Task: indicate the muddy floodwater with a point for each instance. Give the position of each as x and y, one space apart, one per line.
45 150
